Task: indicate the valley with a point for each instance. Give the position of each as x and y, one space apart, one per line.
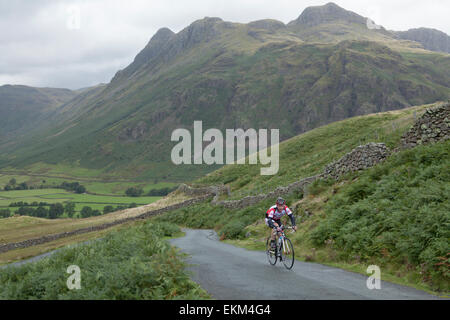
361 116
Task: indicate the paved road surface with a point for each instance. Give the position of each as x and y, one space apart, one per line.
229 272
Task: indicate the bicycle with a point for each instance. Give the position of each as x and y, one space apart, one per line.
284 251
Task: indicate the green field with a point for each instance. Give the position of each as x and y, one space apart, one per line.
93 186
60 195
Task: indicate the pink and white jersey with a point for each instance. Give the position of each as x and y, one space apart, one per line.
274 214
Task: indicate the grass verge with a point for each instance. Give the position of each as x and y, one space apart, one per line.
133 263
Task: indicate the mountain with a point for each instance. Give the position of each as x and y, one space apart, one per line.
325 66
430 39
24 107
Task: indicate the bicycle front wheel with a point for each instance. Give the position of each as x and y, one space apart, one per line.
271 254
287 254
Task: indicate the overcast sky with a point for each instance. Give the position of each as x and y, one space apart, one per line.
79 43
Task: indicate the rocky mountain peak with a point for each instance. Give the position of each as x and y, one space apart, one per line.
155 44
327 13
202 30
163 34
430 39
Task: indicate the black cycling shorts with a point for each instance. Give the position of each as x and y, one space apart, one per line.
269 223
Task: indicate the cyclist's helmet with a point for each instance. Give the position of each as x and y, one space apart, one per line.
280 200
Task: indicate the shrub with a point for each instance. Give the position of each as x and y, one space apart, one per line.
134 192
56 210
134 263
166 228
318 186
80 189
233 230
108 209
69 208
161 192
41 212
5 213
86 212
405 212
72 186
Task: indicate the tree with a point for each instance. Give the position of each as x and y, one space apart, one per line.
12 182
25 211
55 210
5 213
69 208
22 186
86 212
108 209
134 192
161 192
41 212
80 189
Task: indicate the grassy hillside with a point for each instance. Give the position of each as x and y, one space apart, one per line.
307 154
263 74
395 215
23 108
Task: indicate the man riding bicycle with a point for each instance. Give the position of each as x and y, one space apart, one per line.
273 218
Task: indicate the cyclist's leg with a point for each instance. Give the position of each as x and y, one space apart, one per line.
282 228
270 224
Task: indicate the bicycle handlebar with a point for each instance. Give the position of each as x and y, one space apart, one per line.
275 228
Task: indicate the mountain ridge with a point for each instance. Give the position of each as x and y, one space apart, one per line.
260 74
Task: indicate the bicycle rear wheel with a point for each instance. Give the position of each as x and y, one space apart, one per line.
271 254
287 254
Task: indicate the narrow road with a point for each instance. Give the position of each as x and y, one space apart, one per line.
42 256
229 272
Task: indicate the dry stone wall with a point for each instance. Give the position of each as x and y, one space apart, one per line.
215 190
432 126
279 191
360 158
36 241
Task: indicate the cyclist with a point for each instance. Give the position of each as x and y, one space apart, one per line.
273 218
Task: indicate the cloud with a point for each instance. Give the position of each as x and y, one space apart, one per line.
41 44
